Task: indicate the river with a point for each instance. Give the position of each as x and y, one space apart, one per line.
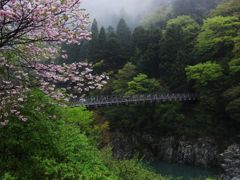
183 171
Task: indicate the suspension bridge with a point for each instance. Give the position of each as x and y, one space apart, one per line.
104 101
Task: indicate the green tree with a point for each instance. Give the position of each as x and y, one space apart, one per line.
148 62
102 40
176 50
124 37
210 83
204 73
146 51
94 30
47 146
114 59
110 32
124 75
218 37
93 44
227 8
123 32
102 36
182 28
140 38
232 96
142 84
234 66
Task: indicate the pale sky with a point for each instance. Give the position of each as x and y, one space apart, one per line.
103 9
95 7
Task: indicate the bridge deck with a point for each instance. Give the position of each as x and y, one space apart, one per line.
98 101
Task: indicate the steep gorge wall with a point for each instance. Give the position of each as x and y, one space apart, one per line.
198 152
204 152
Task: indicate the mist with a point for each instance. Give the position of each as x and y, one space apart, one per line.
108 12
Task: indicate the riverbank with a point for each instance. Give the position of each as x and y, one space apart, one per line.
180 153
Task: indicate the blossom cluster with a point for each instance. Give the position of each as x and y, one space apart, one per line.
25 21
31 32
14 85
74 79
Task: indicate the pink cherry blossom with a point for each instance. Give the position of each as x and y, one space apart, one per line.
32 31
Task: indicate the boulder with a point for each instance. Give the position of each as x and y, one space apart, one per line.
230 163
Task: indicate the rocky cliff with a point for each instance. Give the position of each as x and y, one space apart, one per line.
204 152
199 152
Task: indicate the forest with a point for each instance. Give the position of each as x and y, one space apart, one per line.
184 50
50 55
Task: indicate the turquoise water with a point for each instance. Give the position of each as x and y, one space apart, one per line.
183 171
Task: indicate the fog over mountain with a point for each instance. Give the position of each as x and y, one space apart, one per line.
108 12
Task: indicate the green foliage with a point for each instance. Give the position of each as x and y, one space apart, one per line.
124 36
135 118
130 169
146 54
57 142
82 118
47 147
76 158
169 119
176 50
94 30
26 140
141 38
124 75
218 36
141 84
233 106
163 119
204 73
123 32
234 66
169 52
227 8
232 93
8 176
102 40
93 44
173 50
182 27
175 55
53 145
114 57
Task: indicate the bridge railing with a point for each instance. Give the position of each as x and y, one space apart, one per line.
141 98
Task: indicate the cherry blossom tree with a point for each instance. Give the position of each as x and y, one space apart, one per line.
30 34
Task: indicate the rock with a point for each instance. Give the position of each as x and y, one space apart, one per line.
165 149
205 151
236 178
230 163
199 152
185 153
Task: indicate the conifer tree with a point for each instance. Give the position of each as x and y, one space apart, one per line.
93 45
101 51
123 31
